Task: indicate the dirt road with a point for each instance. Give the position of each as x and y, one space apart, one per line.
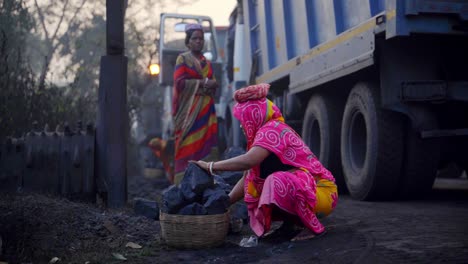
433 230
426 231
35 229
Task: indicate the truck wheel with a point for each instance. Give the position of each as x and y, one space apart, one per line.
371 145
421 161
320 132
419 166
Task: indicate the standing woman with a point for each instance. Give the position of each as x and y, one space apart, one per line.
193 104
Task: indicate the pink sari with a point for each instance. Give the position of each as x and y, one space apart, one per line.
292 191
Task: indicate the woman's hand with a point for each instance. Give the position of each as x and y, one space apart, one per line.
202 164
239 163
211 85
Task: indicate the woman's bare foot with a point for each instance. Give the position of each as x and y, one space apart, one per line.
306 234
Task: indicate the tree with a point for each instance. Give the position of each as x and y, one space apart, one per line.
141 38
16 78
50 55
55 19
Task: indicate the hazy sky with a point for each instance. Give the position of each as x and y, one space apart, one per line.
218 10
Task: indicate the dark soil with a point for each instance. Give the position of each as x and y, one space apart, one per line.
35 228
38 228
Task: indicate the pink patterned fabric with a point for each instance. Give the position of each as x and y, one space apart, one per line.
293 192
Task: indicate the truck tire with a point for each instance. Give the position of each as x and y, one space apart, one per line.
320 131
371 145
420 164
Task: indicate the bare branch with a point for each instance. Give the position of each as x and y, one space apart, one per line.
42 20
60 21
136 12
70 22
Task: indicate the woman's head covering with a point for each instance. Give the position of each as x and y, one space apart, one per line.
193 27
258 91
189 29
253 109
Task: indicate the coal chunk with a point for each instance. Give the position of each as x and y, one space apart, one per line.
189 195
239 211
238 217
195 180
231 177
198 194
146 208
217 201
220 183
193 209
233 152
173 200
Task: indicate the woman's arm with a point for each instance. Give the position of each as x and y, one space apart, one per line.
240 163
238 191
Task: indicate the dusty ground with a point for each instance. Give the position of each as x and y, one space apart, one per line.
37 228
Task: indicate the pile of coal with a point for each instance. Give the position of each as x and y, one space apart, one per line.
200 194
233 152
197 194
232 177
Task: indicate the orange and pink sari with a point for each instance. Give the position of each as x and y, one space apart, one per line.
307 191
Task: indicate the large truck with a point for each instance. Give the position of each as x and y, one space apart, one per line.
378 89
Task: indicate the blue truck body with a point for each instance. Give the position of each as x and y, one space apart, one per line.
283 32
378 89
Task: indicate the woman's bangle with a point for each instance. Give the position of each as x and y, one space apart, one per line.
206 80
211 168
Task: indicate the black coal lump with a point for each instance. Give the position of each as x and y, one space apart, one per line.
239 211
231 177
207 193
217 201
189 195
219 182
193 209
173 200
146 208
196 179
233 152
211 191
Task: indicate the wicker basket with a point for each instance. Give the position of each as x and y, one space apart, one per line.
194 231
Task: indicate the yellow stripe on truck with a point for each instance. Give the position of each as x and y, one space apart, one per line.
370 24
391 14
